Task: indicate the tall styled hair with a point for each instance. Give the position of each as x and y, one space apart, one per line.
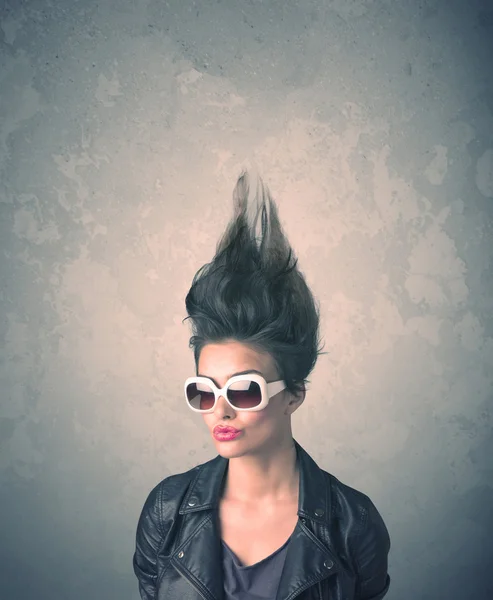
253 293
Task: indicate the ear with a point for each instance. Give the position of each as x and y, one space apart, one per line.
295 401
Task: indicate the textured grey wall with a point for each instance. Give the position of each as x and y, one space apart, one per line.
123 128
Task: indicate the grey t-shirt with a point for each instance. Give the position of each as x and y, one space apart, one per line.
255 582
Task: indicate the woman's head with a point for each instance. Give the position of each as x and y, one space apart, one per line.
251 305
258 430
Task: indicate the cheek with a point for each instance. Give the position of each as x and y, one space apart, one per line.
208 419
262 420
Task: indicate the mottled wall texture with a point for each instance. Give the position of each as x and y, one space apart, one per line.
123 128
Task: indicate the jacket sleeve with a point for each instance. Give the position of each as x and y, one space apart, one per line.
371 555
148 540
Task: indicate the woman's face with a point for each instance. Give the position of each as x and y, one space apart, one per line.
260 430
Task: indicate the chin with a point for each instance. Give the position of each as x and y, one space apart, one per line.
229 449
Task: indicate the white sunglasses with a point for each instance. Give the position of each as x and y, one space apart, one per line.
242 392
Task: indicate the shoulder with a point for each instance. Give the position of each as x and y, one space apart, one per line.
176 483
359 517
160 511
347 500
165 497
366 536
356 514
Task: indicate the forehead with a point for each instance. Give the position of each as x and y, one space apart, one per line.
221 361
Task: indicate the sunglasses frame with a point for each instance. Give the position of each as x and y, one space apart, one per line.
267 390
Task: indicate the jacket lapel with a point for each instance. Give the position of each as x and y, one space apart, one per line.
198 555
199 558
308 560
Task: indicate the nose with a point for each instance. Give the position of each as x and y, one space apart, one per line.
223 409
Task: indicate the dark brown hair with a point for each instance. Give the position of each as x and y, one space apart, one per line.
253 293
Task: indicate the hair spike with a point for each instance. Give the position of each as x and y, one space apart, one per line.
253 293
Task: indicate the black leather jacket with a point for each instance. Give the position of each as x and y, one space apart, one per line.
338 550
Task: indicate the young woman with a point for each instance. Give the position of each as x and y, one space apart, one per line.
261 521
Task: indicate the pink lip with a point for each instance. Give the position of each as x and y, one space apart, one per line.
225 434
225 428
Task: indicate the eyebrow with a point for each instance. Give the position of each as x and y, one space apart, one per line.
233 375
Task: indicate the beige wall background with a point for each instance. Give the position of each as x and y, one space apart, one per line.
123 128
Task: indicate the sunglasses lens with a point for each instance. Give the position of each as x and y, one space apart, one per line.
241 394
200 396
245 394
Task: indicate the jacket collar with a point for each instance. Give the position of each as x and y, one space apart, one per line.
314 500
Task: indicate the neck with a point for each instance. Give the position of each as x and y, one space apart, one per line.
270 475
